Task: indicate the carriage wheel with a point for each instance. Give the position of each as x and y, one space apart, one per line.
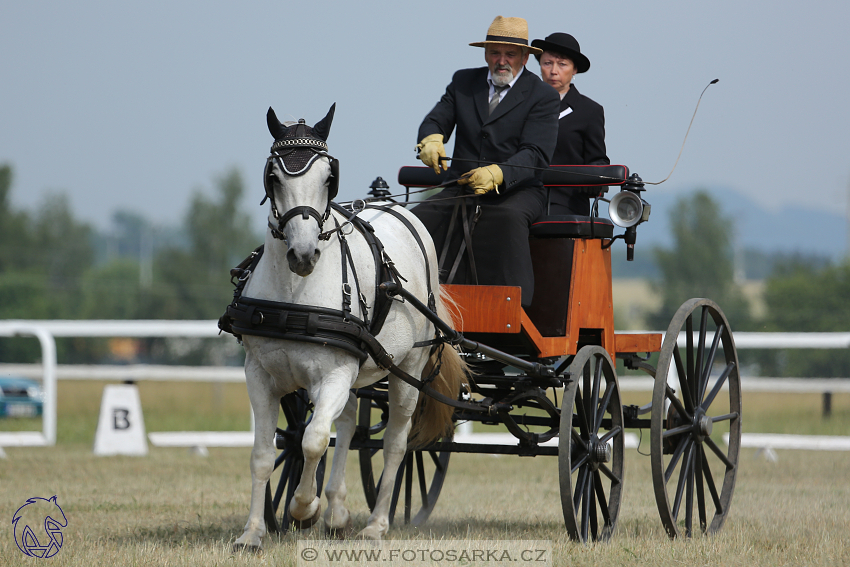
591 447
688 425
297 412
420 476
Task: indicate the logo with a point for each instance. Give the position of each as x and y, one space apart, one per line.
38 527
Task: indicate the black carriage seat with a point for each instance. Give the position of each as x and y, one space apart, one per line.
592 180
572 226
589 180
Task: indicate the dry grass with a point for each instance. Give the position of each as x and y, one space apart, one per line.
172 508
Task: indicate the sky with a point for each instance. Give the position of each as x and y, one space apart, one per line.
136 105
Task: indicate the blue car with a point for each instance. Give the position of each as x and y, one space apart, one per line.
20 397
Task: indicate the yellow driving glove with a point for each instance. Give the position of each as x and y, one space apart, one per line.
483 179
431 150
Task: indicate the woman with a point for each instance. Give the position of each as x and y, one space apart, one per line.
581 124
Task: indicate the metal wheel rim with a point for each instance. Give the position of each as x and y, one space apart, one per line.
687 478
412 478
591 491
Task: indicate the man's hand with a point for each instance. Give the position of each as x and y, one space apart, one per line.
483 179
431 150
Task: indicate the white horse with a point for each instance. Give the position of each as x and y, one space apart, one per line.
290 271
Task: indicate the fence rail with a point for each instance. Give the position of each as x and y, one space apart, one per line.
47 330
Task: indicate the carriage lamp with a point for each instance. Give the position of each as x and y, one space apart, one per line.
627 210
379 188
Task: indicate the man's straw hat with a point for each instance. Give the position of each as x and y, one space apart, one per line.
510 31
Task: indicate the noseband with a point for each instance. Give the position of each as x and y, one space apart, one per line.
295 156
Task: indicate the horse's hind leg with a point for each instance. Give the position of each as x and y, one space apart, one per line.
265 406
329 398
337 517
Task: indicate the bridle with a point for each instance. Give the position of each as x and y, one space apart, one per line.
295 156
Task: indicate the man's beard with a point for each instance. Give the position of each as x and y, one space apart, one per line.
502 79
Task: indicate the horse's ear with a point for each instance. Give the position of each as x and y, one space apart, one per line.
276 129
323 126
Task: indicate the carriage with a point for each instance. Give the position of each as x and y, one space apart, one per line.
548 375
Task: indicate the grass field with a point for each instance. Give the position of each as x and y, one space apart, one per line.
174 508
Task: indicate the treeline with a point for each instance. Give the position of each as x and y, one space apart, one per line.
801 294
53 266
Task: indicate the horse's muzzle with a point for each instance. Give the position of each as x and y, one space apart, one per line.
303 264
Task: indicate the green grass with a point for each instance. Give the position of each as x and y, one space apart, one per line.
173 508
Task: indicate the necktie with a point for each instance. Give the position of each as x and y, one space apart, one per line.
494 100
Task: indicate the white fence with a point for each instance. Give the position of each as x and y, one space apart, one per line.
49 371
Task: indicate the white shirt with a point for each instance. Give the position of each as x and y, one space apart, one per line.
505 90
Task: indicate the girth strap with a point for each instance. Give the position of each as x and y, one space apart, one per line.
279 320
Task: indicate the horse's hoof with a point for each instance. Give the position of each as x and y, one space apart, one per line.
240 547
369 534
341 533
309 522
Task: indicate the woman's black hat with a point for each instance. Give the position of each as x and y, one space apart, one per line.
566 45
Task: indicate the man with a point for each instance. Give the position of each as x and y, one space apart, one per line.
507 127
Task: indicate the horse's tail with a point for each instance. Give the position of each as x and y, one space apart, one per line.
432 419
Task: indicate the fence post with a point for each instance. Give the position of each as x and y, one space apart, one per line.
827 404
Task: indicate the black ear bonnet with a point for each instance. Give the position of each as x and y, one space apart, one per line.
297 147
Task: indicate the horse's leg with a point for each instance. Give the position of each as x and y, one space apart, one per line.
402 402
265 406
329 396
337 517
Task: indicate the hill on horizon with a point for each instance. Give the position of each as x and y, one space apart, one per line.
761 234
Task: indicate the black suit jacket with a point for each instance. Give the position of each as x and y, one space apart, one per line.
522 131
581 141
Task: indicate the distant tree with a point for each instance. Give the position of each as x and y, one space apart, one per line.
14 227
194 283
700 263
63 248
803 296
42 257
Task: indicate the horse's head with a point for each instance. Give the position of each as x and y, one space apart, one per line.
301 179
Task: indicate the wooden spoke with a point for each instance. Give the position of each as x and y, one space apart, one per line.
700 487
603 407
683 476
600 498
719 453
709 363
671 395
580 462
683 444
583 422
683 382
712 489
717 386
724 417
607 472
697 376
689 494
611 434
678 430
580 482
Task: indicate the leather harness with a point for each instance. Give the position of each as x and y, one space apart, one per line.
321 325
